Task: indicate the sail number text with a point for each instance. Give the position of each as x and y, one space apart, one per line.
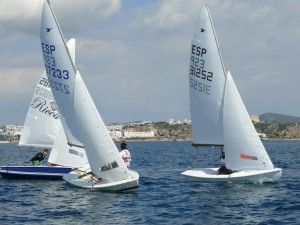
53 71
199 75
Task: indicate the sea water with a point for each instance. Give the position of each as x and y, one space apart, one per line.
164 196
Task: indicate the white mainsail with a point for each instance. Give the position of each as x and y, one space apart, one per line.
75 104
42 120
243 147
206 82
61 74
43 128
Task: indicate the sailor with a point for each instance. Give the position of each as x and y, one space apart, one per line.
223 169
36 160
125 154
222 156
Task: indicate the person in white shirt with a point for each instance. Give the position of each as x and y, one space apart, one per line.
125 154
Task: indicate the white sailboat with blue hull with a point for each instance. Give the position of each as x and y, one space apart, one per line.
219 117
80 118
43 129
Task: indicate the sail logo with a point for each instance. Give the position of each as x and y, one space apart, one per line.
48 29
53 106
41 104
109 166
249 157
74 152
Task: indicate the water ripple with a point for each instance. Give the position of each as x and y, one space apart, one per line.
164 197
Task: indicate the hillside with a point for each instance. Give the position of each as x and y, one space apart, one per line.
275 126
164 131
278 118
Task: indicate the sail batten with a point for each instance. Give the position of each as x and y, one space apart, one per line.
207 145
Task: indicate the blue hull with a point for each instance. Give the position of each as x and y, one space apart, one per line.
34 172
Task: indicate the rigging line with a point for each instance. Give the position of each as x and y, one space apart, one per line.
214 32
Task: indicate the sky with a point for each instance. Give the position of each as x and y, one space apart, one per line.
134 55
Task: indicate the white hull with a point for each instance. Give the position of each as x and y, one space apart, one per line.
251 176
85 179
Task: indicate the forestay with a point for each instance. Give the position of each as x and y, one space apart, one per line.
206 82
243 147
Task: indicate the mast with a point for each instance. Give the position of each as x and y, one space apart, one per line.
218 46
62 36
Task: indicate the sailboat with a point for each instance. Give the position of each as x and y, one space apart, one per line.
43 129
219 117
80 118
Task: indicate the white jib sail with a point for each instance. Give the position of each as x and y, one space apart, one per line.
76 105
64 155
103 155
243 148
42 121
206 82
61 73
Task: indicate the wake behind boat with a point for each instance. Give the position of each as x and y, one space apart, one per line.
219 117
80 118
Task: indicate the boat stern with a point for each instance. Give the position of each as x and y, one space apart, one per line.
86 179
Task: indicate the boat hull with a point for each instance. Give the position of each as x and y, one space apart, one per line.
34 172
85 180
251 176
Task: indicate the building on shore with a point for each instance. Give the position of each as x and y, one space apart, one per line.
255 118
133 134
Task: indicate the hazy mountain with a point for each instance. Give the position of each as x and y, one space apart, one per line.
279 118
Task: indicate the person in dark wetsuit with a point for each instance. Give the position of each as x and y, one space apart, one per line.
223 169
36 160
222 156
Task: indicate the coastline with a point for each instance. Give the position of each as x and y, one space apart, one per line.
159 139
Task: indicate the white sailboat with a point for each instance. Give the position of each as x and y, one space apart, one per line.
43 129
80 117
246 157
